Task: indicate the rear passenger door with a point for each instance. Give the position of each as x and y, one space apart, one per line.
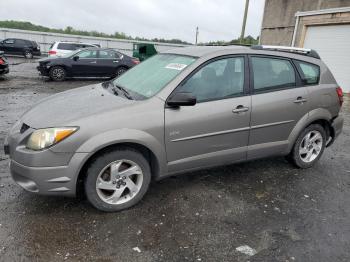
108 61
278 102
20 46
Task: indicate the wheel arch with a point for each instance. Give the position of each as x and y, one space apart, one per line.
319 116
156 165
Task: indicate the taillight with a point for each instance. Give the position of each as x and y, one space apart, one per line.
340 95
2 62
52 52
135 61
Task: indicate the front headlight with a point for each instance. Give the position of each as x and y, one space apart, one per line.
43 138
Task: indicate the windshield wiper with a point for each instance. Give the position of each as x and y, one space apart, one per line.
125 92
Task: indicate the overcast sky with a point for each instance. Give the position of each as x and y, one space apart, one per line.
216 19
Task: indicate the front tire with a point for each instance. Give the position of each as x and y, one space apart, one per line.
117 180
308 147
120 70
57 73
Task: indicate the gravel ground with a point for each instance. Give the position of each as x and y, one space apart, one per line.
283 213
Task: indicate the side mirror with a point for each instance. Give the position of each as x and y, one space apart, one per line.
182 99
76 58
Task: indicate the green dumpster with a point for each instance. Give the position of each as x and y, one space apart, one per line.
142 51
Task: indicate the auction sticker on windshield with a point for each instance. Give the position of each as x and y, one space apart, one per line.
176 66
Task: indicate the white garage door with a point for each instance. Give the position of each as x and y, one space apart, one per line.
332 42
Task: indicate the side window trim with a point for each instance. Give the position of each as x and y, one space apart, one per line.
199 67
301 73
298 82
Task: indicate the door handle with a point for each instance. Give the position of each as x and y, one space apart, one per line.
93 62
300 100
240 109
116 61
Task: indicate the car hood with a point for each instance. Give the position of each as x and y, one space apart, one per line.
63 108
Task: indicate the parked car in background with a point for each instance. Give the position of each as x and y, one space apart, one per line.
15 46
4 66
58 49
142 51
89 62
178 111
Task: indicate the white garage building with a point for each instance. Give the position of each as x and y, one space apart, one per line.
322 25
331 39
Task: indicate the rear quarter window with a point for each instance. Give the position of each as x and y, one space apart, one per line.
310 73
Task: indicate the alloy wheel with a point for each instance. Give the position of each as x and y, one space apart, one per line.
119 182
58 73
311 146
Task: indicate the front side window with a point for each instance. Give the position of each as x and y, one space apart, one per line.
88 54
152 75
310 73
272 73
217 80
9 41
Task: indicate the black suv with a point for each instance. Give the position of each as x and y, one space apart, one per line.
4 66
15 46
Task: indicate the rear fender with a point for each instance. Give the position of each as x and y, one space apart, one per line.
306 120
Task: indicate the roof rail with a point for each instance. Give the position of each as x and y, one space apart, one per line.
301 51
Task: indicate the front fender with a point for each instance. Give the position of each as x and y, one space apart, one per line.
112 137
306 120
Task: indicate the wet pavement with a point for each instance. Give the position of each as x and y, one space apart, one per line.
283 213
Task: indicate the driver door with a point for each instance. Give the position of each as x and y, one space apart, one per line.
8 46
215 131
86 64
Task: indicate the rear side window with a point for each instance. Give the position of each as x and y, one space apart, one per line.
310 73
67 46
108 54
20 42
9 41
272 73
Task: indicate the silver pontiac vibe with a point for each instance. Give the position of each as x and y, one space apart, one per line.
181 110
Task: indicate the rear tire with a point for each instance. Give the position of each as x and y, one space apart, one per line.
28 54
117 180
308 147
57 73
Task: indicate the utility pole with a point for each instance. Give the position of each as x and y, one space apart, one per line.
196 34
244 20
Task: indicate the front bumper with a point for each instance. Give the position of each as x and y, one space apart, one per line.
57 180
44 71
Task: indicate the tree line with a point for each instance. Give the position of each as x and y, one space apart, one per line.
249 40
72 31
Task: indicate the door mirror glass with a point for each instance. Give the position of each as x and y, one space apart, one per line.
76 58
182 99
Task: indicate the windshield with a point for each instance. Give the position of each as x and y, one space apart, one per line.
152 75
